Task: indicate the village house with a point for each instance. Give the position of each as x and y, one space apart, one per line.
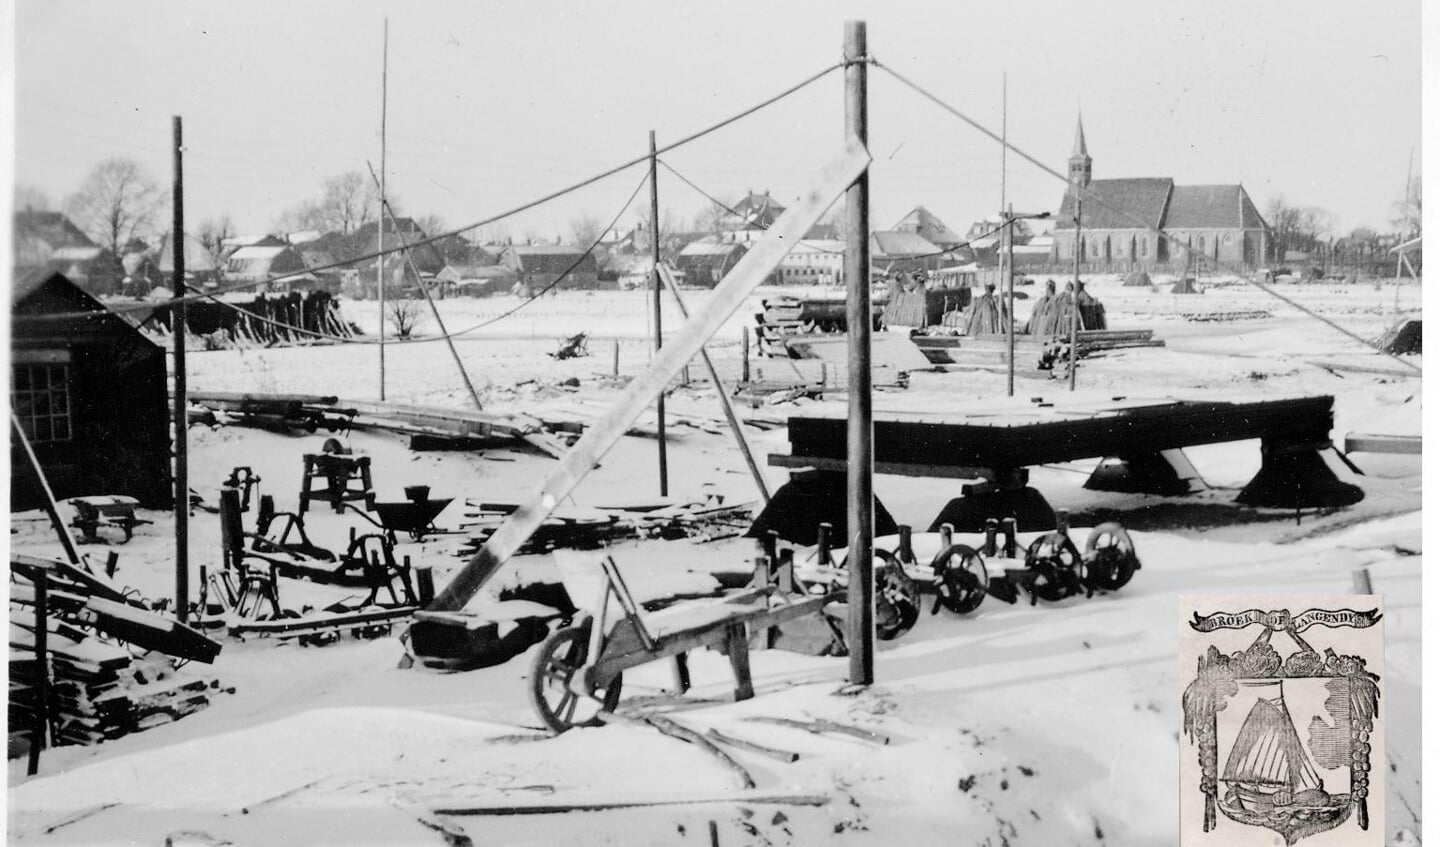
705 262
904 251
538 265
747 220
925 224
814 261
263 263
88 390
51 241
1217 224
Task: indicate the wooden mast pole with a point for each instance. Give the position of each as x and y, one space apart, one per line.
177 323
860 427
659 338
380 213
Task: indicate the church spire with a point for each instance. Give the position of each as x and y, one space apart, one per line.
1080 161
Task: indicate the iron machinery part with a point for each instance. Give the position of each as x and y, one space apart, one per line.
552 679
1057 565
897 598
960 579
1110 559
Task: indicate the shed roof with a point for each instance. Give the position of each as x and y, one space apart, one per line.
552 258
902 244
924 223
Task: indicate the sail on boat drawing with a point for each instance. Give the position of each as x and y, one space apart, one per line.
1280 704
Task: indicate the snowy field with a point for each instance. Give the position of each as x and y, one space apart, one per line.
1014 725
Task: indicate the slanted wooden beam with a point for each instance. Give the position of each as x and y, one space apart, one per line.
728 296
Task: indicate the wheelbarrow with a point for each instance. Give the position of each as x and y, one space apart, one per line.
578 670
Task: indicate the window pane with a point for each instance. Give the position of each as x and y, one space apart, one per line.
62 429
22 377
42 429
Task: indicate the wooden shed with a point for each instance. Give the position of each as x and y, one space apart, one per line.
88 389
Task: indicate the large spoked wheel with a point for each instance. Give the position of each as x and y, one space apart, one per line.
1110 559
1057 566
961 578
561 657
897 599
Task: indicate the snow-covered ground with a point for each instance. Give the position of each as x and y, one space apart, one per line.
1020 725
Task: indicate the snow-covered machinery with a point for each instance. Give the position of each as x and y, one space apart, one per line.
1050 566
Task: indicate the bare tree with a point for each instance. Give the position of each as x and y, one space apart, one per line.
1407 212
1301 228
347 202
117 202
404 315
586 229
212 235
711 218
29 198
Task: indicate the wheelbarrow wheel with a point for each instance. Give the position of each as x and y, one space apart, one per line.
1110 559
961 578
1056 562
897 599
561 657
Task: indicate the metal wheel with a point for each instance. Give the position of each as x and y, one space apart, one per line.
897 599
1058 566
560 658
1110 559
962 580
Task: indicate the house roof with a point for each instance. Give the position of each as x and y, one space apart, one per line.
712 248
552 258
924 223
54 228
902 244
1118 204
757 210
77 253
197 255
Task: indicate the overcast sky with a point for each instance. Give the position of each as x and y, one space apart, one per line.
492 104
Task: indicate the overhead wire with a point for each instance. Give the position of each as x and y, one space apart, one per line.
1087 195
692 137
456 333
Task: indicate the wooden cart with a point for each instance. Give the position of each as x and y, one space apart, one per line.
578 670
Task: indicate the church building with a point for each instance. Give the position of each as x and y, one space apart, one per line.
1119 218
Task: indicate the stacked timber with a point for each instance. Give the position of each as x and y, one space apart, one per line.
786 317
86 682
97 690
994 350
578 528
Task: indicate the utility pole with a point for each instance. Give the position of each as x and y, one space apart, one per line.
659 338
1075 298
380 214
860 491
1009 317
177 324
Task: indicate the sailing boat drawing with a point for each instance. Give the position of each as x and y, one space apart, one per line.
1255 765
1268 766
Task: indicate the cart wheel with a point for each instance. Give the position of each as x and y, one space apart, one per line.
1058 566
962 578
1110 559
561 656
897 599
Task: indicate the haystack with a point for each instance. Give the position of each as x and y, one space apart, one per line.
1092 311
986 316
1186 285
1402 338
1139 279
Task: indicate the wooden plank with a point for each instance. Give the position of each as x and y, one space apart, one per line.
595 803
683 346
1401 444
780 460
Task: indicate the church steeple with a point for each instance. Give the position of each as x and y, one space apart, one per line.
1079 157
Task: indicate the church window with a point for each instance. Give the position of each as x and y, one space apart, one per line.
1144 247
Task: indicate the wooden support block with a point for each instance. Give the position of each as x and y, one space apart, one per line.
737 647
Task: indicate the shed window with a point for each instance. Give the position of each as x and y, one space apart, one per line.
40 396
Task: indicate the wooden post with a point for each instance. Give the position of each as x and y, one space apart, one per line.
859 431
380 223
1075 298
725 404
51 509
1360 579
744 355
655 279
40 736
615 360
182 459
389 213
1009 317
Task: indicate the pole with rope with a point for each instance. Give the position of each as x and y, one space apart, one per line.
177 323
860 492
659 337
